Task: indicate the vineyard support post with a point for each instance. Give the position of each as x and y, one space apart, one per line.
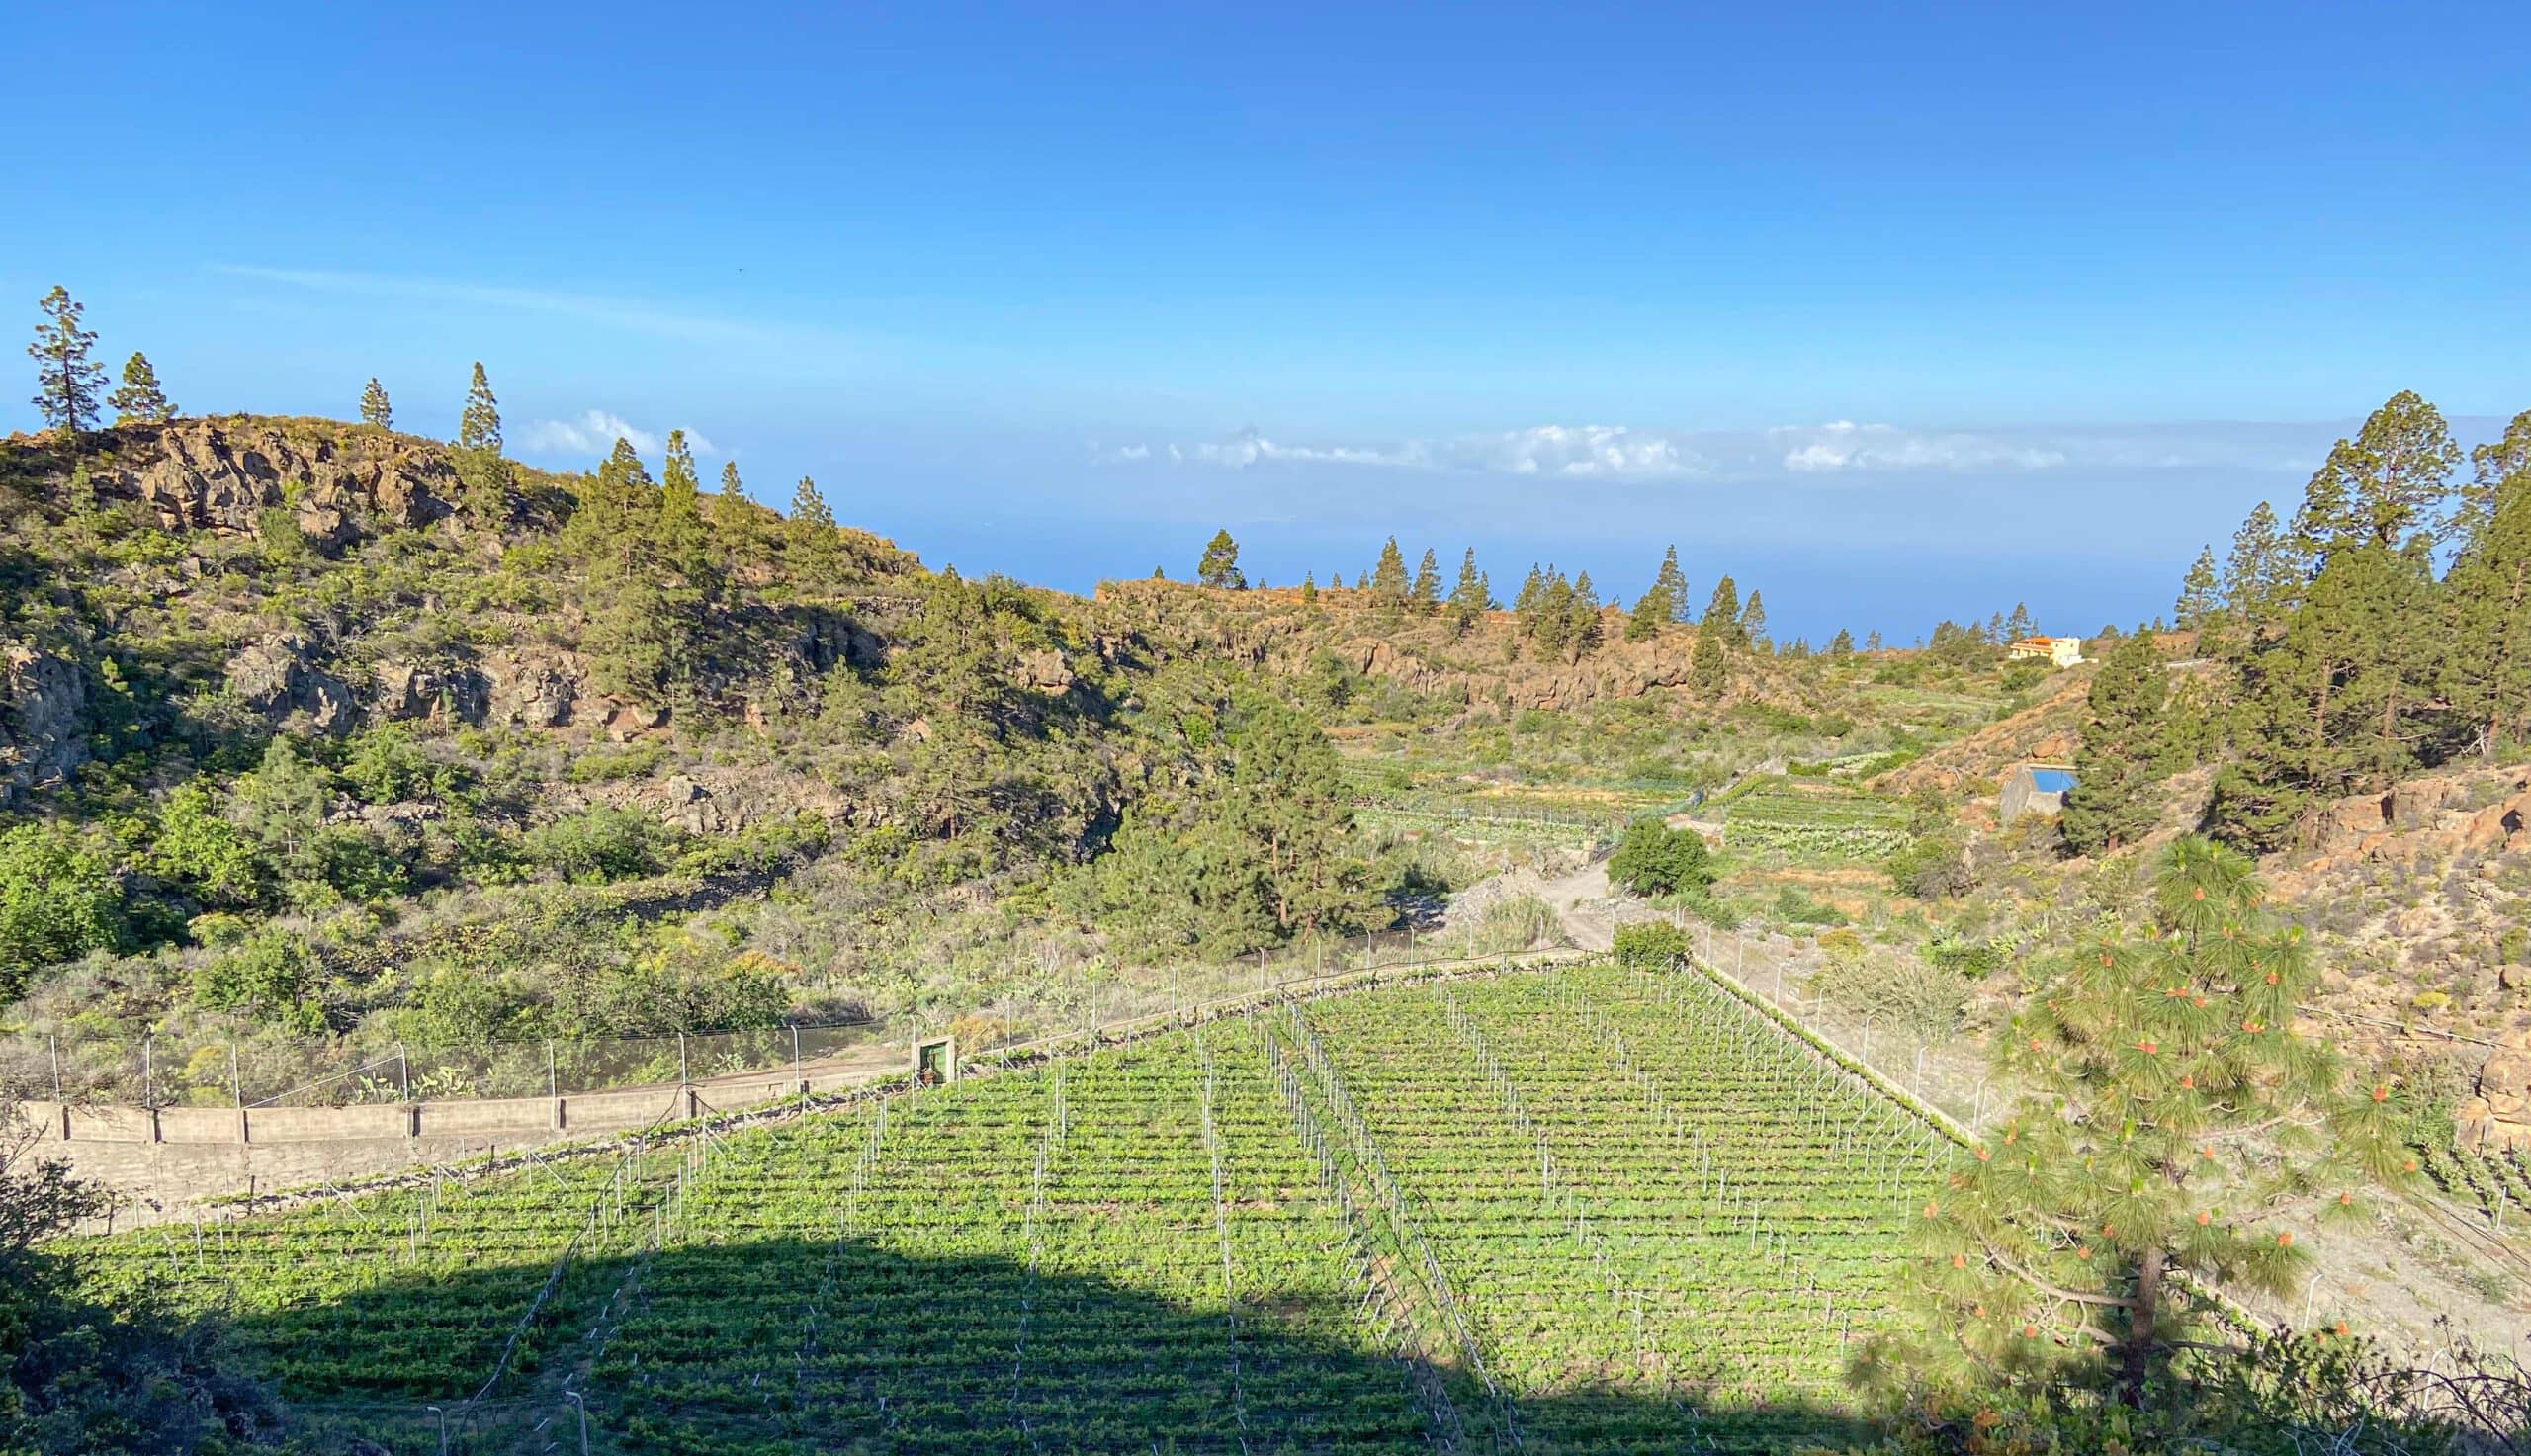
1916 1087
53 1044
148 1072
403 1075
680 1059
237 1092
442 1428
578 1403
799 1078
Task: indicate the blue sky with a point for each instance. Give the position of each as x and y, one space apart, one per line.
1896 311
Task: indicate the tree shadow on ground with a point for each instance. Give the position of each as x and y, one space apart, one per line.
790 1346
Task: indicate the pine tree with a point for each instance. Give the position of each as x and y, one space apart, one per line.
2162 1062
2114 802
1651 613
1426 591
1309 586
2262 580
1551 624
637 626
2019 624
1672 584
69 379
1753 625
731 513
2200 600
1842 644
1722 612
1389 580
1218 569
2392 478
809 508
682 545
1470 597
2336 700
140 399
2489 590
1581 619
374 408
1872 640
480 427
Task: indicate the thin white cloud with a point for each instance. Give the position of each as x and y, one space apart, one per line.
595 433
1607 451
1838 449
1842 445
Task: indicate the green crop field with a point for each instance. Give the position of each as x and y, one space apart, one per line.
1814 819
1575 1210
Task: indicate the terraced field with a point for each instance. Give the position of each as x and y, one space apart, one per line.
1579 1210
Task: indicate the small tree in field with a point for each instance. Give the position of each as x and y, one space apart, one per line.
2175 1125
374 408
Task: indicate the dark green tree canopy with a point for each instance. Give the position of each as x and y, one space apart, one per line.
2123 757
374 408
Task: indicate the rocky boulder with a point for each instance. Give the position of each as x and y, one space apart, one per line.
279 678
44 707
451 691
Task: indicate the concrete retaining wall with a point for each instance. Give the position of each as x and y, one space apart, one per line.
166 1158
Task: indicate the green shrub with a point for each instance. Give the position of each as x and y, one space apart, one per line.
270 976
1650 944
1975 960
1794 906
600 845
59 901
1655 859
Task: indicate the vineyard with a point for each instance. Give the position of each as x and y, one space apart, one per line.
1579 1210
1815 819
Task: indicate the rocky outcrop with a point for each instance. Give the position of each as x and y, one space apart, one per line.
530 692
733 801
44 709
279 678
2500 1116
224 474
447 692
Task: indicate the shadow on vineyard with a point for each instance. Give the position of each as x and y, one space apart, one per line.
793 1346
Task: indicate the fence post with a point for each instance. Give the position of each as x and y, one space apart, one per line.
681 1078
237 1091
53 1043
799 1078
